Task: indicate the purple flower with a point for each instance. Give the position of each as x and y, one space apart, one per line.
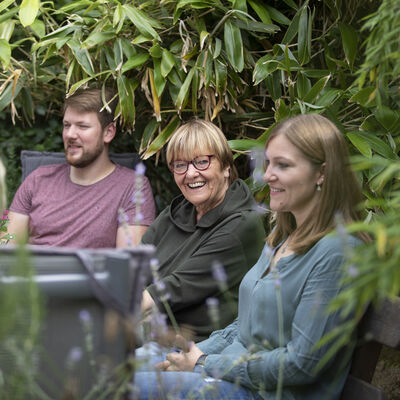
353 271
212 302
85 317
137 198
218 272
154 264
122 217
158 324
268 251
139 217
74 355
277 283
258 175
140 168
261 208
160 286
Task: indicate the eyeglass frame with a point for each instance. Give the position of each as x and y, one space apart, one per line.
191 162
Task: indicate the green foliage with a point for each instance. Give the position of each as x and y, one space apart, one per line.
46 136
20 316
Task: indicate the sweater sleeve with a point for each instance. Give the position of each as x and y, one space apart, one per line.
298 358
192 281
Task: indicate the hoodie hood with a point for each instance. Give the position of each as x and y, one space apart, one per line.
238 198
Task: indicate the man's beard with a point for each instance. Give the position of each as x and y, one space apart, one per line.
87 157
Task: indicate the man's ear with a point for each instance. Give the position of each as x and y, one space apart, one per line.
109 132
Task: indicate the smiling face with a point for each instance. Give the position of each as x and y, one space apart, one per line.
292 179
204 189
83 136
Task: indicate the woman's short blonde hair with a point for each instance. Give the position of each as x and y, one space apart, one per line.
200 137
320 141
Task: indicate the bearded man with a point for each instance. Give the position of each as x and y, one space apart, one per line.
88 202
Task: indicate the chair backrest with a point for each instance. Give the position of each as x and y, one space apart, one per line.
68 288
30 160
379 327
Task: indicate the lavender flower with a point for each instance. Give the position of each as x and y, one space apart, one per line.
261 208
277 283
137 198
158 324
140 169
139 217
353 271
74 356
122 217
257 164
218 272
85 317
213 310
160 286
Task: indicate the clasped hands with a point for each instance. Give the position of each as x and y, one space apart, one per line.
183 360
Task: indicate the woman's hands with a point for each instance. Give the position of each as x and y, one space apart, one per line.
185 360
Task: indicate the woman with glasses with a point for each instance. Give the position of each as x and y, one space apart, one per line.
208 237
270 351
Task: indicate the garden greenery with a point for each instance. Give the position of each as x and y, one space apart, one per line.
246 65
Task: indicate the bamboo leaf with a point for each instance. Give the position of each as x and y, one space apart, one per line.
77 85
135 61
363 97
261 10
292 30
303 85
387 117
197 4
159 80
195 89
98 38
304 42
154 95
5 53
316 89
39 28
28 11
234 46
148 133
350 42
264 66
220 77
328 97
167 62
141 21
6 30
277 16
126 95
4 4
376 144
381 240
183 92
218 46
360 143
243 144
255 26
162 138
81 56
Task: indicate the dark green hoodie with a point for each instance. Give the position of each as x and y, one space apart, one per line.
231 234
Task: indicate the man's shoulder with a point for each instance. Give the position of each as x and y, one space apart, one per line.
122 173
48 171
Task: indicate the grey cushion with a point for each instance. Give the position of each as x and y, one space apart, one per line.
32 159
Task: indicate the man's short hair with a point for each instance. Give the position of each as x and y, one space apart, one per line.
100 101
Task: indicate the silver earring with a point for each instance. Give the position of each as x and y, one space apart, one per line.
318 187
